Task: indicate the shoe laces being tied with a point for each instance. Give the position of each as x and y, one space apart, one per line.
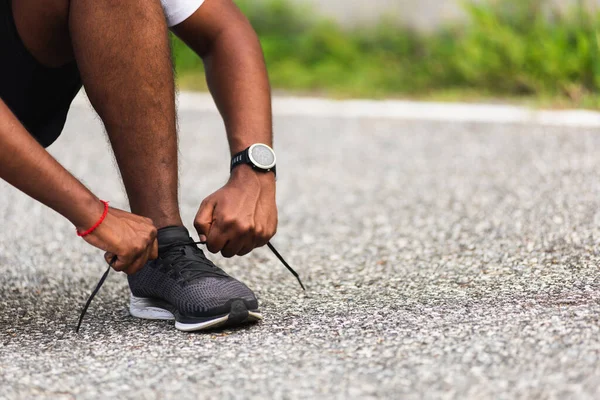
183 268
188 261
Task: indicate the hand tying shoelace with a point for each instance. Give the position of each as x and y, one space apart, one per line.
114 259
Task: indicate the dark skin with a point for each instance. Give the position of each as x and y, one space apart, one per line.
134 96
30 168
243 214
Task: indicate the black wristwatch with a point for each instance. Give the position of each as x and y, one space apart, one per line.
259 156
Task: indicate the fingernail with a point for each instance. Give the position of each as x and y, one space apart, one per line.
202 238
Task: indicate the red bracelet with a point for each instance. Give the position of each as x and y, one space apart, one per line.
97 224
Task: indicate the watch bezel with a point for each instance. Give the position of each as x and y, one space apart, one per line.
255 163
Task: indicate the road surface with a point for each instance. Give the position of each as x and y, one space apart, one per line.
442 260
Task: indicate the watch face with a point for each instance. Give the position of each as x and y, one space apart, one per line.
262 156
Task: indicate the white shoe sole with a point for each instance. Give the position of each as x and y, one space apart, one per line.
145 308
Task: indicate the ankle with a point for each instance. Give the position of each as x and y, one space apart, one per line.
164 222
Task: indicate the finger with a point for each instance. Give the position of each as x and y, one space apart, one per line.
261 238
137 265
109 257
153 255
216 240
137 261
232 247
125 261
204 219
121 264
241 241
245 250
148 253
151 243
247 245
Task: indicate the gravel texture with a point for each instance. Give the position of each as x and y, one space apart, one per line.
442 261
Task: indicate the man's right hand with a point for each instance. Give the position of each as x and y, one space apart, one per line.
129 237
26 165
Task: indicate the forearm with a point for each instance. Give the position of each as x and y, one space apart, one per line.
235 70
242 215
237 78
25 164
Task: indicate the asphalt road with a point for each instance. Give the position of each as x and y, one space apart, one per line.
443 260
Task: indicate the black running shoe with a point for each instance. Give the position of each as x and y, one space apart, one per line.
184 285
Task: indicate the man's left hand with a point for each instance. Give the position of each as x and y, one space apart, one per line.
240 216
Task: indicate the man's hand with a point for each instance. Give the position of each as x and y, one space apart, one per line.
240 216
128 236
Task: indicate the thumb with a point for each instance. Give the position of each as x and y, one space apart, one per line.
204 218
114 261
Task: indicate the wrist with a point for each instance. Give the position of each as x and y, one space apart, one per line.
89 210
259 156
245 172
241 145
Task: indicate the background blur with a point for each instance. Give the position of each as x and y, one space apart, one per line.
544 52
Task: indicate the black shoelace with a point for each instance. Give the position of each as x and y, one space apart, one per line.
190 275
182 262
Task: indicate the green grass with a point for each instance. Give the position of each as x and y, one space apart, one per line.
509 49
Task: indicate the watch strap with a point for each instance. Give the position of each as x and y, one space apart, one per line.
243 157
240 158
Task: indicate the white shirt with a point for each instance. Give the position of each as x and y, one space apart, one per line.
177 11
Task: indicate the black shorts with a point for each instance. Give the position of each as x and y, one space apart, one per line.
39 96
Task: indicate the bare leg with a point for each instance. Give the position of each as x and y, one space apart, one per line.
122 50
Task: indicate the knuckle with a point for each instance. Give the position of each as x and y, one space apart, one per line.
260 232
230 222
244 226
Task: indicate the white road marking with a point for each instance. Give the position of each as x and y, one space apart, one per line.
403 110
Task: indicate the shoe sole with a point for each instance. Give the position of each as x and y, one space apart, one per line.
147 308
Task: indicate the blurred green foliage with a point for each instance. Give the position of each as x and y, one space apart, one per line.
507 48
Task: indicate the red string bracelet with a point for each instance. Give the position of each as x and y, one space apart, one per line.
97 224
